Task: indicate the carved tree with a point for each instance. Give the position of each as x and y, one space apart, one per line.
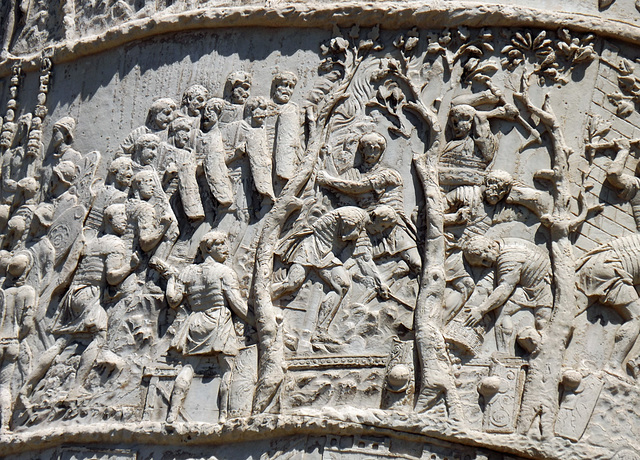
344 57
541 392
435 374
552 59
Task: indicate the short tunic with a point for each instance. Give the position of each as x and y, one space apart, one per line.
535 271
611 271
209 327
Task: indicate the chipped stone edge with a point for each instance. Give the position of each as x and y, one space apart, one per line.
389 15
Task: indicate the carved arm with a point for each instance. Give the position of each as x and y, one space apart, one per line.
497 298
175 291
233 295
343 185
117 267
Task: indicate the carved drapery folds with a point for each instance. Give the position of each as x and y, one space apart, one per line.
436 225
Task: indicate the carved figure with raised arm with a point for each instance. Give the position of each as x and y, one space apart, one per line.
473 144
322 246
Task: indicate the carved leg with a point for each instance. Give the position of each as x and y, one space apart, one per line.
626 336
179 392
42 366
295 278
8 363
226 368
340 282
87 360
505 335
528 414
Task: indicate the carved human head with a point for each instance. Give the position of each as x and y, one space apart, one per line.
145 149
179 131
115 217
283 85
29 187
144 183
43 215
256 110
497 185
66 172
17 225
238 87
381 218
211 112
63 131
371 146
161 113
214 244
461 120
20 264
193 100
353 221
481 251
122 171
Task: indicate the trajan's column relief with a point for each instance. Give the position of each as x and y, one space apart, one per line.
318 230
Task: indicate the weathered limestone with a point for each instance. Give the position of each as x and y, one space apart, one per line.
386 230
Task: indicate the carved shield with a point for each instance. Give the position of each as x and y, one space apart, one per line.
64 231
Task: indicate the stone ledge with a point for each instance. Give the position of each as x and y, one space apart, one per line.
347 421
396 16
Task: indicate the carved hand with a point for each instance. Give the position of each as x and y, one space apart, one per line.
475 315
463 214
166 220
383 291
172 169
511 112
322 178
622 144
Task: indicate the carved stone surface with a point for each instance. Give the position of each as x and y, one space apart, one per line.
318 230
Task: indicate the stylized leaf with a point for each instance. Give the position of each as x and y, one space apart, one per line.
539 39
